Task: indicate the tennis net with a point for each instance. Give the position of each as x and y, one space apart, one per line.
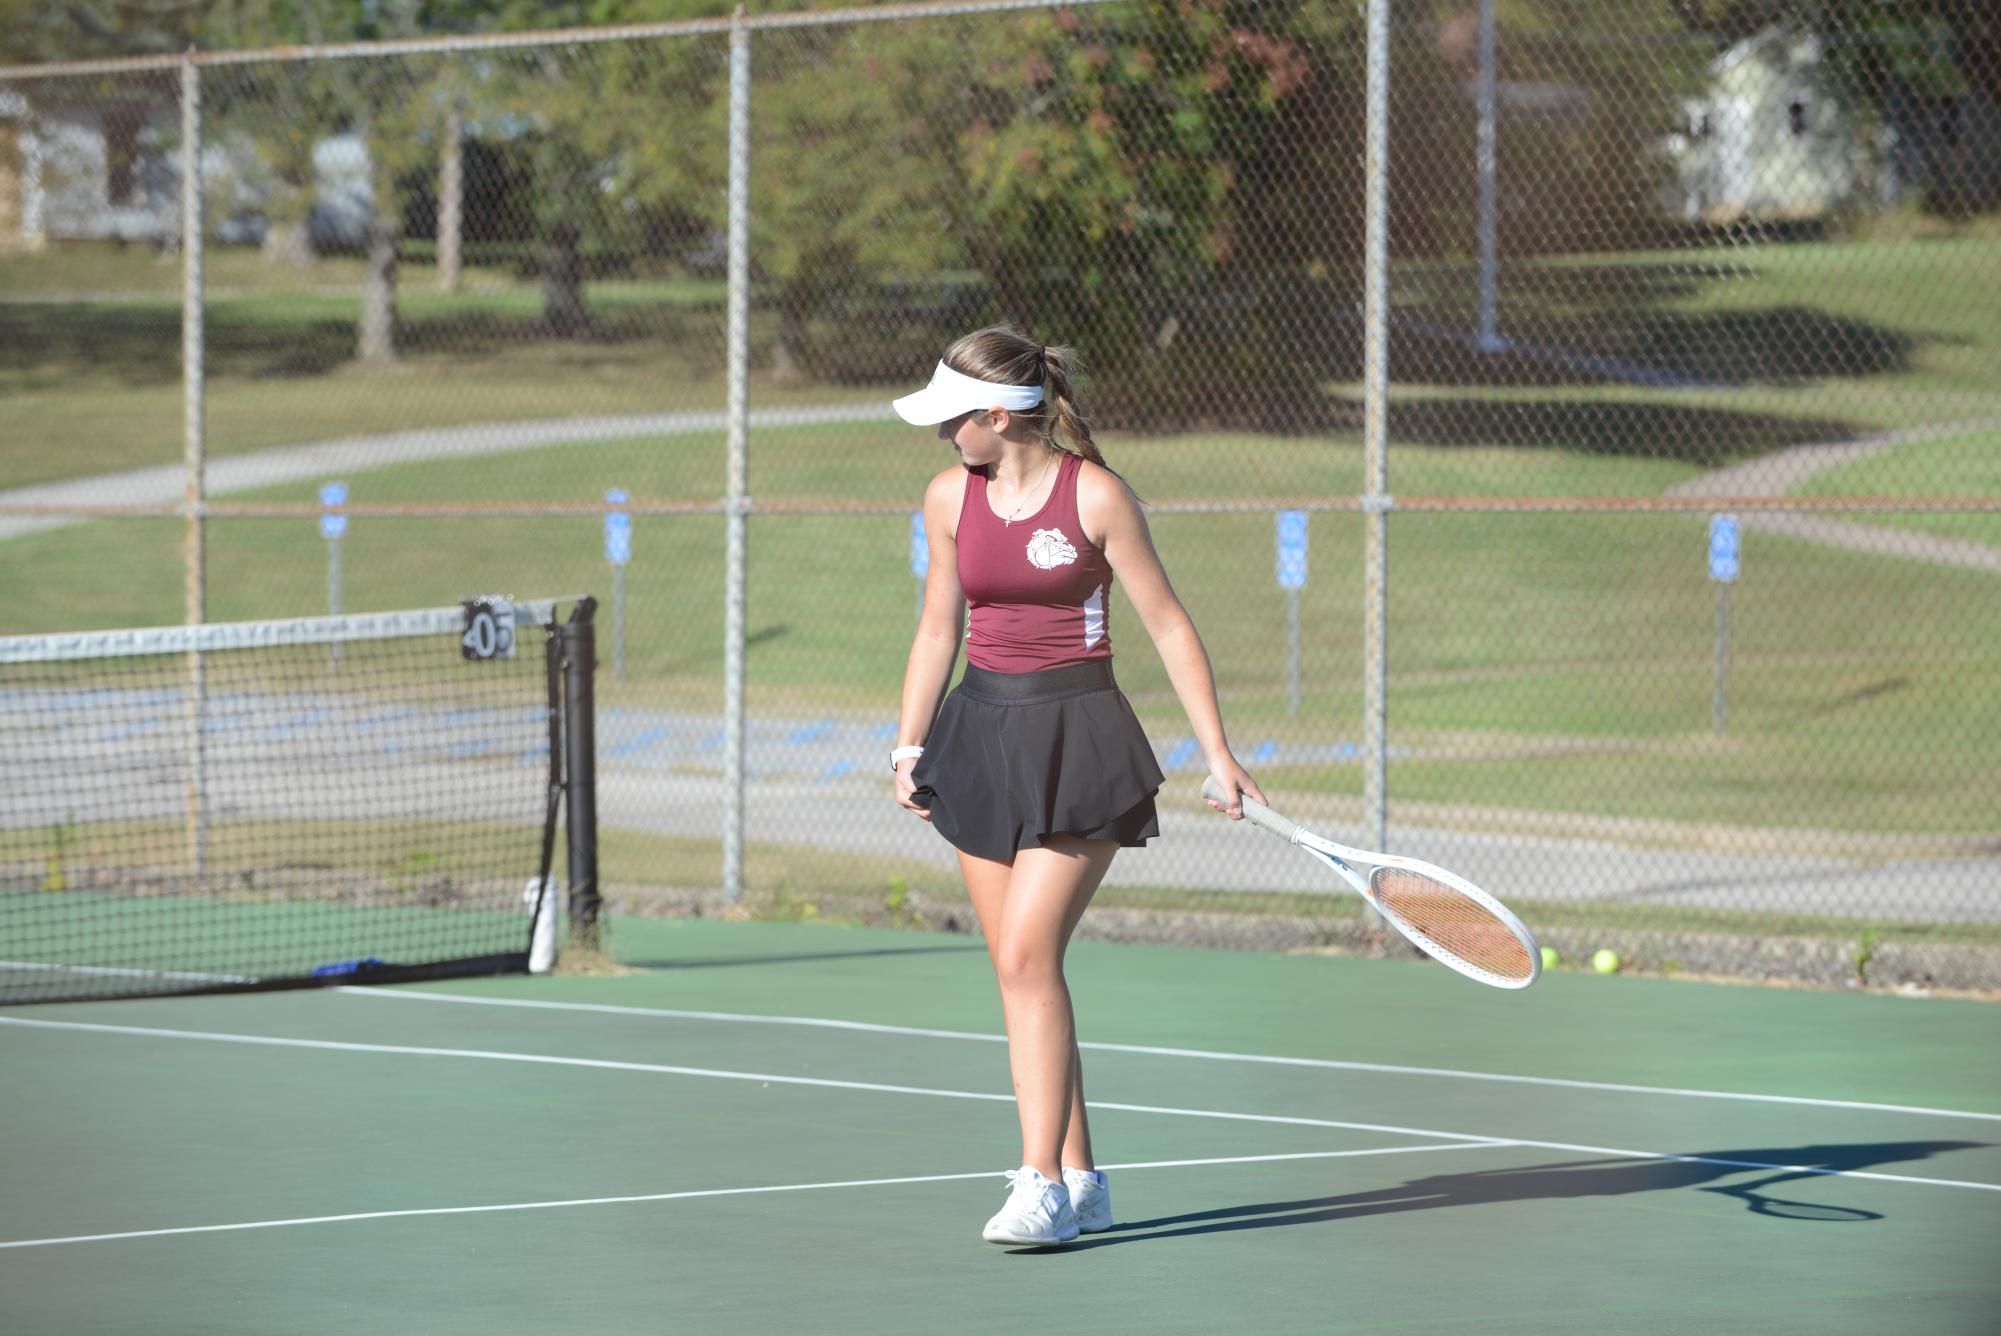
261 804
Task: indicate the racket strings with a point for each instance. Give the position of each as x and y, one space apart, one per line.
1452 920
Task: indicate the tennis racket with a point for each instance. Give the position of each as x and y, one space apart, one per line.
1441 913
1779 1207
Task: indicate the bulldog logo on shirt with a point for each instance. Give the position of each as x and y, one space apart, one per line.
1048 549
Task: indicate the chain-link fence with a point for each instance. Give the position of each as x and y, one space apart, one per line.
1685 472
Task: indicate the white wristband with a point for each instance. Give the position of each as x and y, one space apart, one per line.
902 753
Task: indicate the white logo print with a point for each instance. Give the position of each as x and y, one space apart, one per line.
1049 549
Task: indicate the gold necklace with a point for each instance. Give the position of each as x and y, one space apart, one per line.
1009 521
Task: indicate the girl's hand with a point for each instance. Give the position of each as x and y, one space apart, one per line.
1232 779
904 788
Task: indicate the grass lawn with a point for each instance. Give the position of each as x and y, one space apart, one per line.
1968 465
1541 661
1560 662
1798 343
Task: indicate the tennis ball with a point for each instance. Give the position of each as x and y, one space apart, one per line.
1549 957
1606 961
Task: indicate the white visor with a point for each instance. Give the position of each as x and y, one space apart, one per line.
950 393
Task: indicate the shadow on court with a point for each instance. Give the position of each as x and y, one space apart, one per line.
793 958
1546 1182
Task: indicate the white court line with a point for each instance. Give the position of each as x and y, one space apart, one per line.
664 1069
555 1060
1209 1055
683 1196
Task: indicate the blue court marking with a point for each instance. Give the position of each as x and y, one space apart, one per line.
298 721
100 698
713 741
228 722
132 729
80 700
639 742
127 696
810 733
452 718
882 731
539 753
1184 752
1346 751
475 747
1264 751
385 717
836 770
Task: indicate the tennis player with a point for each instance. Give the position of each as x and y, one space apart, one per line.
1034 767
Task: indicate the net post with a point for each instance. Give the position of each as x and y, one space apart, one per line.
193 423
579 641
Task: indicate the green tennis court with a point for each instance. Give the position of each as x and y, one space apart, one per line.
784 1127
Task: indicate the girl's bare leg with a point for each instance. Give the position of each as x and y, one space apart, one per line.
1028 910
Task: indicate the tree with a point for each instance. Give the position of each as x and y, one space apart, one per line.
1165 180
395 105
1144 182
1588 89
32 31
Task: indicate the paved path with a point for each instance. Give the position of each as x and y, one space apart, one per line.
820 785
1778 473
1774 474
167 483
1206 852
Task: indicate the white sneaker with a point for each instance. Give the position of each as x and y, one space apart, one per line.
1090 1199
1037 1211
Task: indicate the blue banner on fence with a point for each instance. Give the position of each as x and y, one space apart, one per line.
333 494
920 547
617 529
1292 549
1724 546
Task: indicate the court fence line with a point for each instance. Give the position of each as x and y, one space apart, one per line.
1588 264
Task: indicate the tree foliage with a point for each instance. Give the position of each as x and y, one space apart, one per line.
1936 48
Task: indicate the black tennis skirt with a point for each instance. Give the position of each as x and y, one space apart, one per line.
1016 757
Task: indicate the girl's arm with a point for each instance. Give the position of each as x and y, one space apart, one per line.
939 629
1114 522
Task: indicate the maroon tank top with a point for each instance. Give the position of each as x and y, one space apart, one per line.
1037 588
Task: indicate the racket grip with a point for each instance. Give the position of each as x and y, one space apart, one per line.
1254 811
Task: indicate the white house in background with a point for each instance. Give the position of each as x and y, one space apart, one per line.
110 172
1768 139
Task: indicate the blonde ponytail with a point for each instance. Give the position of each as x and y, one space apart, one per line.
1004 355
1064 425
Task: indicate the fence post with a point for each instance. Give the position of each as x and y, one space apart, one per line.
1489 335
739 444
1375 440
193 446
